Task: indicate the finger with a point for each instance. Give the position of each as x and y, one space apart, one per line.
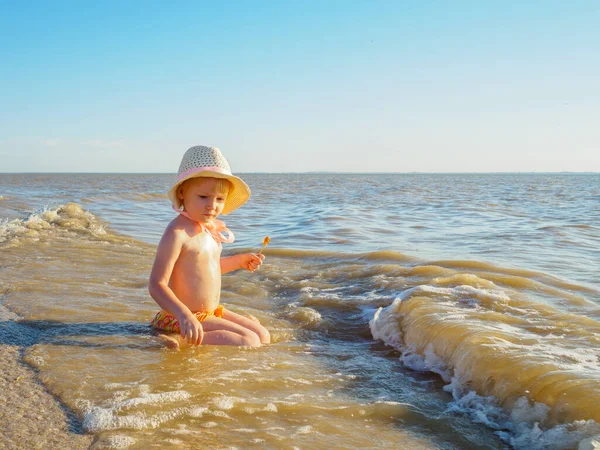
200 335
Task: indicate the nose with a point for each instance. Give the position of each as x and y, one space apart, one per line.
211 204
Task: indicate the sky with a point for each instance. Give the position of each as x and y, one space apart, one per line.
301 86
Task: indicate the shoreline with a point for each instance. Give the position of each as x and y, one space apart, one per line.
30 416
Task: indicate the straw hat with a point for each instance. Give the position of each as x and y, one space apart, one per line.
202 161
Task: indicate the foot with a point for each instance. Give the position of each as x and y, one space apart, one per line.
170 341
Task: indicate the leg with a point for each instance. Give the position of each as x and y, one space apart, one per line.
224 337
250 324
219 331
217 337
166 327
171 341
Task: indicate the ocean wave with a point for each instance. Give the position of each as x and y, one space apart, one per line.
307 317
70 218
99 418
522 368
383 255
138 197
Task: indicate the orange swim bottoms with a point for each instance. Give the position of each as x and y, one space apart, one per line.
167 322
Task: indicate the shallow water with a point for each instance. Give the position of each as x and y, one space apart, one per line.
407 311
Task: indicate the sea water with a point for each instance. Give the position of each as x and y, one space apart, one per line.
406 310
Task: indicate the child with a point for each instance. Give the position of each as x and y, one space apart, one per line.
186 276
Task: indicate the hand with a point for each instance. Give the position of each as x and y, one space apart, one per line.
251 261
191 329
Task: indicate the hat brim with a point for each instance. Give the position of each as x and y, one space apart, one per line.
239 193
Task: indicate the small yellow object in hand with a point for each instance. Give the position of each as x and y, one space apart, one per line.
266 241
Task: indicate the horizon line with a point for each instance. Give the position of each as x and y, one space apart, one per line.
315 173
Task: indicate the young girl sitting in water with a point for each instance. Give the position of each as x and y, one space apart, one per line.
186 276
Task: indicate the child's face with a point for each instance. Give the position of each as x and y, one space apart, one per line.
204 198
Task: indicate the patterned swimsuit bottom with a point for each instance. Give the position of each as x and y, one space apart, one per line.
167 322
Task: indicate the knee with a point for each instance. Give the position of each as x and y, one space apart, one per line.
251 339
264 335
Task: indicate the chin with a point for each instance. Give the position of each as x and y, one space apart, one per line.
200 218
205 219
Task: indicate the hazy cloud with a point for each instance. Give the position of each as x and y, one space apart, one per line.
53 142
105 144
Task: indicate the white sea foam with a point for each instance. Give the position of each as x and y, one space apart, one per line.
303 314
198 411
522 427
226 403
428 362
237 374
299 381
101 419
592 443
269 408
526 424
306 429
310 292
385 326
97 418
221 414
69 217
462 292
119 441
154 399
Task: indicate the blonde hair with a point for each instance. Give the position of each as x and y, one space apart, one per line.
221 184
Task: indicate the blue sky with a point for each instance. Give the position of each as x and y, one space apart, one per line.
357 86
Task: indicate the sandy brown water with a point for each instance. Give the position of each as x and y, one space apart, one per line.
469 351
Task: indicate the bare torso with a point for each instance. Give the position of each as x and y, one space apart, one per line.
186 279
196 276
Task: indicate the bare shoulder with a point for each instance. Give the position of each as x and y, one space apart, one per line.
179 223
180 228
174 236
169 248
184 234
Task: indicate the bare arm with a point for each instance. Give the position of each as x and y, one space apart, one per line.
248 261
167 253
